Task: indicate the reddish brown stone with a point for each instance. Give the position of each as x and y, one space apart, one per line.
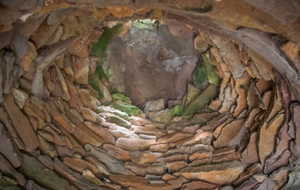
88 100
264 86
9 149
195 185
254 169
177 183
148 130
199 138
173 137
143 169
176 166
267 137
75 101
137 182
200 155
82 133
231 134
241 86
134 143
212 172
225 154
172 158
159 147
80 165
117 152
145 157
21 124
101 132
8 125
250 154
121 11
47 148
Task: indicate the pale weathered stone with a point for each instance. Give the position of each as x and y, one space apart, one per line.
112 118
276 180
154 106
20 97
87 174
293 183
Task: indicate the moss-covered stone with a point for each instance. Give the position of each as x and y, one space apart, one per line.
5 185
90 176
112 118
121 97
44 176
127 108
95 82
165 116
210 93
98 49
192 92
212 75
199 77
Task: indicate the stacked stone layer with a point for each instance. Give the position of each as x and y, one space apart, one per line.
62 126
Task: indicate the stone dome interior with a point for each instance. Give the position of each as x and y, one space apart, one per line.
142 95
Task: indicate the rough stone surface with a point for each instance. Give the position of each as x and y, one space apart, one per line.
214 173
21 124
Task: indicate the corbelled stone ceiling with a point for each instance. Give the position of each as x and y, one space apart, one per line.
143 95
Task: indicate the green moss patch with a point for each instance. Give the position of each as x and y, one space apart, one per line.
165 116
212 75
127 108
98 49
7 185
199 77
210 93
121 97
112 118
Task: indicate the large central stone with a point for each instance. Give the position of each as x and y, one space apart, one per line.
150 63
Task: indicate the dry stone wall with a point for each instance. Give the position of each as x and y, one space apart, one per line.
63 127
